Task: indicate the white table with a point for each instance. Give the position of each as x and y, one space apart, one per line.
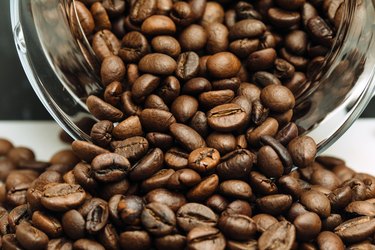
357 146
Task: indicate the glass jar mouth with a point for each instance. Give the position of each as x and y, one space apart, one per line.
325 119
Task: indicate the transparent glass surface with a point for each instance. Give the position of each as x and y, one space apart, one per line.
63 69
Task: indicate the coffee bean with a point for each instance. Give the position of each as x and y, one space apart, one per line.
73 224
199 123
237 227
283 18
230 83
193 38
223 142
114 8
132 148
105 44
223 65
158 219
327 240
356 229
157 120
85 18
158 64
308 226
236 189
171 199
59 244
303 151
204 159
192 215
160 140
262 184
320 31
217 40
282 232
236 164
226 117
184 107
205 238
248 28
112 69
156 102
238 207
129 127
187 65
204 189
331 222
166 45
261 59
213 13
148 165
293 186
264 221
134 46
173 242
86 244
196 86
186 136
183 178
61 197
141 240
217 203
157 25
47 224
141 10
242 245
316 202
100 16
360 208
110 167
129 107
30 237
5 146
268 127
102 110
274 204
176 158
97 218
214 98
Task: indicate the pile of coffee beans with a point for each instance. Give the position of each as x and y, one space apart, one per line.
109 203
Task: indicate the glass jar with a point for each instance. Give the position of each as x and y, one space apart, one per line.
63 69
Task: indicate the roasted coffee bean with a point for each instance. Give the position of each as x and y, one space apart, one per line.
192 215
325 178
211 99
110 167
62 197
261 59
283 18
158 219
129 127
151 163
158 64
141 240
238 207
157 25
47 224
264 221
320 31
356 229
110 189
274 204
73 224
100 16
236 189
230 83
196 86
360 208
283 232
259 112
264 78
236 164
331 222
303 151
101 132
184 108
105 44
183 178
19 154
5 146
103 110
296 42
170 89
176 158
156 120
204 159
237 227
262 184
30 237
217 40
223 65
85 18
213 13
329 240
173 242
171 199
223 142
160 140
182 13
141 10
166 45
16 216
112 69
281 151
97 217
114 8
308 226
193 38
86 244
293 186
268 127
316 202
109 238
60 244
129 107
226 117
187 65
248 28
205 238
199 123
204 189
217 203
186 136
132 148
134 46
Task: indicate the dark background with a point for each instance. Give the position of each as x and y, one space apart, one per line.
17 99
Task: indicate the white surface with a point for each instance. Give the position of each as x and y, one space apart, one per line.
357 146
